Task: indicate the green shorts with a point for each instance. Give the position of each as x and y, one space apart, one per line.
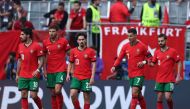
136 81
82 85
164 87
31 84
55 78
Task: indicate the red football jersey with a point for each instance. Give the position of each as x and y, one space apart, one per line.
134 54
29 58
166 63
119 12
56 54
77 19
82 62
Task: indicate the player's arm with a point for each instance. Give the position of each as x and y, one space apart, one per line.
93 73
69 70
44 66
70 66
69 24
18 69
40 64
84 22
148 57
118 60
179 68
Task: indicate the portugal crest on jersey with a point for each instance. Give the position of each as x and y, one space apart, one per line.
85 56
168 56
58 46
138 51
31 51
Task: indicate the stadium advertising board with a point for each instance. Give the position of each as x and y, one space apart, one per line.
105 95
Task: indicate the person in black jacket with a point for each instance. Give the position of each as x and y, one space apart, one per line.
59 16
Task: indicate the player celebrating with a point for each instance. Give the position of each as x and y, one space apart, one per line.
30 61
166 58
83 62
136 53
55 49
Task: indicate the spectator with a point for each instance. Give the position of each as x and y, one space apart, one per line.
119 12
22 23
6 14
59 16
20 11
77 21
11 66
93 16
151 14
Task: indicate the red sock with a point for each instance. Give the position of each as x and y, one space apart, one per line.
24 103
53 102
76 104
134 102
59 99
170 104
38 102
159 105
142 102
86 106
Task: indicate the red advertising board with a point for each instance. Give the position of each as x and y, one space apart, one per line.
114 37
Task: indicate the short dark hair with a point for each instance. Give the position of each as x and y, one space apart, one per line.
132 30
54 26
61 4
162 35
78 2
27 31
81 34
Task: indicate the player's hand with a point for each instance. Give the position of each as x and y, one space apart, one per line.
35 73
45 74
17 77
178 79
68 78
91 81
140 64
113 69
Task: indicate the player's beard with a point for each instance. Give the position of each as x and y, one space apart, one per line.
82 45
162 45
23 40
53 37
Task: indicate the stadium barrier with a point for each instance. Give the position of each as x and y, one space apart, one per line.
105 95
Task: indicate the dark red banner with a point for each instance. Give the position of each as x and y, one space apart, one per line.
114 37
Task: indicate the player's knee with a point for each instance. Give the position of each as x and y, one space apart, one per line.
135 95
73 96
168 98
24 95
33 95
57 92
